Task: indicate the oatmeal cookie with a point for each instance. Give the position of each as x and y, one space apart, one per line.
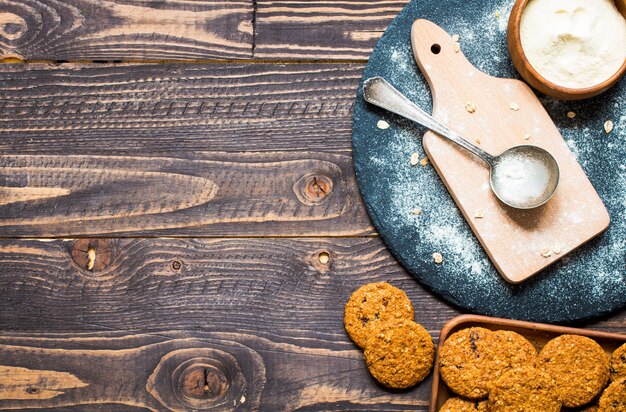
467 362
578 365
372 304
463 405
614 397
400 353
618 364
524 389
513 350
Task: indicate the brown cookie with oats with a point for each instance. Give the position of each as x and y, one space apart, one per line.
618 364
578 365
467 362
372 304
463 405
524 389
614 397
512 351
400 353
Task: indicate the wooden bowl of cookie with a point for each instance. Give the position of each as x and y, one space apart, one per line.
495 364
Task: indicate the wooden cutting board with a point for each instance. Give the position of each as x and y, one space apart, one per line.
520 243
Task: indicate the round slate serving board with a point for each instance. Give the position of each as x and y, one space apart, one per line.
587 283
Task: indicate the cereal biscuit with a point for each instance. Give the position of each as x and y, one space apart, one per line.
618 363
512 351
524 389
400 353
614 397
463 405
467 362
578 365
371 305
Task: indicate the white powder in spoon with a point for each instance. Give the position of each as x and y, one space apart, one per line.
521 179
574 43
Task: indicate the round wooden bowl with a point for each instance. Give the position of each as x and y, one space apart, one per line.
537 81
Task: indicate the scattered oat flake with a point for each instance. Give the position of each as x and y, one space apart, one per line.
415 158
424 161
526 136
556 249
546 252
571 115
438 258
470 107
455 37
416 211
478 214
608 126
514 106
382 124
456 47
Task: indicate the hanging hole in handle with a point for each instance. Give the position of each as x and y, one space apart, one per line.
435 48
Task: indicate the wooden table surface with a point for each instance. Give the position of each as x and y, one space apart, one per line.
179 219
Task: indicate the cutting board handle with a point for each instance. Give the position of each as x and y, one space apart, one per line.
434 52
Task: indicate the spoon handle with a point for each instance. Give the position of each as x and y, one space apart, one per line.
379 92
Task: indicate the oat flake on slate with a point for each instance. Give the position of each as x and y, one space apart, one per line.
588 282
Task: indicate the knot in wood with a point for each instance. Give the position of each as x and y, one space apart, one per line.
176 265
321 261
203 382
313 188
92 255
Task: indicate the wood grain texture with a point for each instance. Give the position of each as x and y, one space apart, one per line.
264 315
178 150
147 109
213 194
258 321
324 29
125 29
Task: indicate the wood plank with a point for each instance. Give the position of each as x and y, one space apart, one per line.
321 29
126 30
206 195
267 310
243 150
257 284
178 371
148 109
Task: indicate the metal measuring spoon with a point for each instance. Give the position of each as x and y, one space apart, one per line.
523 177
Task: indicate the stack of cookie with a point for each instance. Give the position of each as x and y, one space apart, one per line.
380 320
501 371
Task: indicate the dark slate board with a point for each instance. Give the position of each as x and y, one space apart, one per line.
585 284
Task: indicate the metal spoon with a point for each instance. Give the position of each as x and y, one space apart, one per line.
523 177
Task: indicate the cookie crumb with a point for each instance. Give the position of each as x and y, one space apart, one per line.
455 37
546 252
414 159
526 136
417 211
470 107
382 124
571 115
497 14
556 249
424 161
608 126
477 141
514 106
456 46
437 258
478 214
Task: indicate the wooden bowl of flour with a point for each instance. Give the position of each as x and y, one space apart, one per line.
539 82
